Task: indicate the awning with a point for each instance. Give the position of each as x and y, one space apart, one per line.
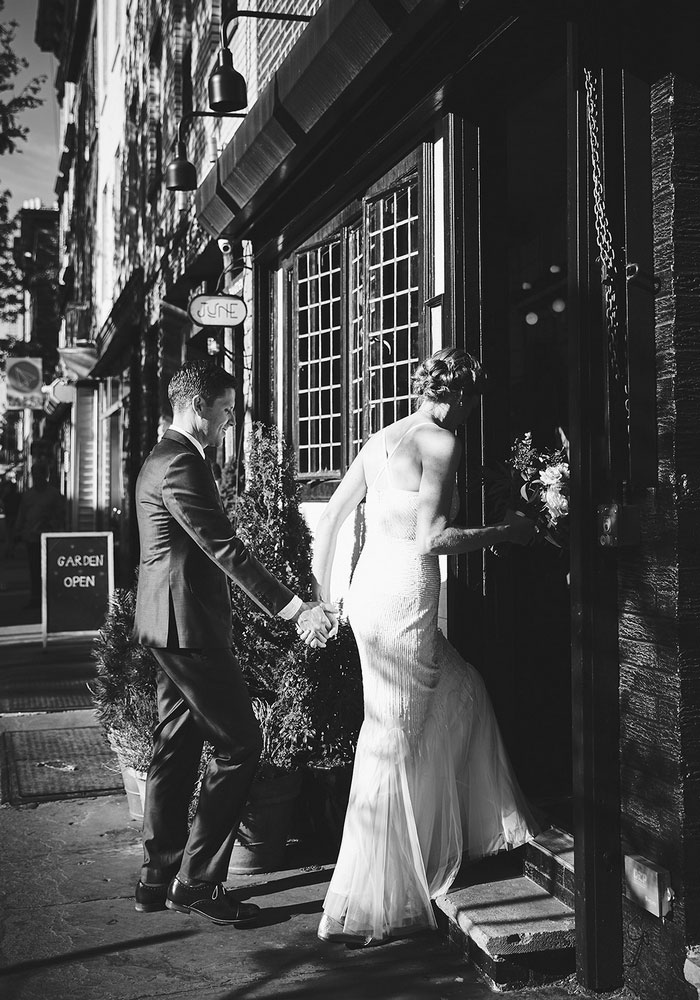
337 58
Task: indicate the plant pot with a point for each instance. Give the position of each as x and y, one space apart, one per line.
135 788
262 835
324 802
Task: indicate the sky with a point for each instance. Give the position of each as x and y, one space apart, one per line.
32 172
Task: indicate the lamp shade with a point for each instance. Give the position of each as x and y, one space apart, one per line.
180 174
227 88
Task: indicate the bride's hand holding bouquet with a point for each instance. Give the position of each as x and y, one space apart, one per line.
534 483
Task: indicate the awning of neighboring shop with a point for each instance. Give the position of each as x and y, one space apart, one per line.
117 332
340 54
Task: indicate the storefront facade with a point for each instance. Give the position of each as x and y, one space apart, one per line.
457 177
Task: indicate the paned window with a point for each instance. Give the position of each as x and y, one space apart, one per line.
318 290
357 329
392 304
355 320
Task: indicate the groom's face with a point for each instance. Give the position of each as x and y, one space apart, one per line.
216 417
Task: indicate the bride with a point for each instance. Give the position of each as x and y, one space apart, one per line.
431 779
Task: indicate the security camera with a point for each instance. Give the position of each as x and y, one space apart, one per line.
224 246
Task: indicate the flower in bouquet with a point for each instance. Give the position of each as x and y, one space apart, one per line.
535 482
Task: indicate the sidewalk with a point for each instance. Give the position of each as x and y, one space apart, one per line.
69 931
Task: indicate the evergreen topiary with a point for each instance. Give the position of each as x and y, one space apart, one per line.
319 708
268 519
124 690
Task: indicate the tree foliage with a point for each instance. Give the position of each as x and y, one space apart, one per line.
14 101
10 278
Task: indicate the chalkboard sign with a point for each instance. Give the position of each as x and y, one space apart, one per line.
77 580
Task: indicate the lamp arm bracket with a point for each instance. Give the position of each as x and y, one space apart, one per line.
187 118
225 39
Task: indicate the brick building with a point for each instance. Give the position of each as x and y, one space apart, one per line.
410 174
131 254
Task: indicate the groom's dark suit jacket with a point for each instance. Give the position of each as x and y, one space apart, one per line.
188 549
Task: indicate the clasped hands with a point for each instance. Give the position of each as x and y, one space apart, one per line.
317 623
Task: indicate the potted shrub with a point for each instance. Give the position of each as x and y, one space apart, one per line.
124 693
265 823
268 519
320 711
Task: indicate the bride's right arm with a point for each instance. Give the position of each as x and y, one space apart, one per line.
435 535
349 493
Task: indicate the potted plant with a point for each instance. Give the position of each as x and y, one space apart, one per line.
320 711
266 820
268 519
124 693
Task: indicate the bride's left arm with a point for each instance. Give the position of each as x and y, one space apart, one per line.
349 493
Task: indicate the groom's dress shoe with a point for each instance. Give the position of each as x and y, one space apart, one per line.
212 901
150 898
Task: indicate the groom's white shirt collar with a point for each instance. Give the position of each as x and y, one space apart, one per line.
189 437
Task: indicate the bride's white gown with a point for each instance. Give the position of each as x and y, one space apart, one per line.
431 780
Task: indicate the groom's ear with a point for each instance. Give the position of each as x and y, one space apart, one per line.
197 403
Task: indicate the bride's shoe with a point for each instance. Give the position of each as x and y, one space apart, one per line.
332 930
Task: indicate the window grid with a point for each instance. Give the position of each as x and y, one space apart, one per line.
318 289
392 303
355 319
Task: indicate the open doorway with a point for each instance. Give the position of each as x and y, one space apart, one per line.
526 648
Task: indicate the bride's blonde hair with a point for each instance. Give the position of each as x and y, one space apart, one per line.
448 371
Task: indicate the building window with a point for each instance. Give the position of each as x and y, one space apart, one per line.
154 135
319 357
392 304
355 320
357 330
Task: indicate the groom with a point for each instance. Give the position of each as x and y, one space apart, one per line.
189 551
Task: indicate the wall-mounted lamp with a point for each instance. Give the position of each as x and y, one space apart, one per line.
227 88
227 95
180 174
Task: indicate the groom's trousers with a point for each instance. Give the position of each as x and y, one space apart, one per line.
201 696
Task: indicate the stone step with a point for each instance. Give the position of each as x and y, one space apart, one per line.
513 930
549 861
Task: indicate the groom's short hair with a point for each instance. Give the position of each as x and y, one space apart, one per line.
198 378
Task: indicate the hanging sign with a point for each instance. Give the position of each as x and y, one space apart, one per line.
217 310
77 580
24 379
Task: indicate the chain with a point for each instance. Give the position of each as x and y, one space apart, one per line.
605 244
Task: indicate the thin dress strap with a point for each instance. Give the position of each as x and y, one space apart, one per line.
389 454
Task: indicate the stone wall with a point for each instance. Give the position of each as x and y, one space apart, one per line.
659 580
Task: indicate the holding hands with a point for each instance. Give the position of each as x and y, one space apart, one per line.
317 622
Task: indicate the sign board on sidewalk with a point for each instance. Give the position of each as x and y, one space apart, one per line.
217 310
77 580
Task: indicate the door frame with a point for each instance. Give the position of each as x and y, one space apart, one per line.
597 469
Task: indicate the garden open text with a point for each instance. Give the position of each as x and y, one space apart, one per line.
80 580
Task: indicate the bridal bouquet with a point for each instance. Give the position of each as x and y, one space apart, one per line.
536 483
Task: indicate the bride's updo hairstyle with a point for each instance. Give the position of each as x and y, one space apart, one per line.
448 371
